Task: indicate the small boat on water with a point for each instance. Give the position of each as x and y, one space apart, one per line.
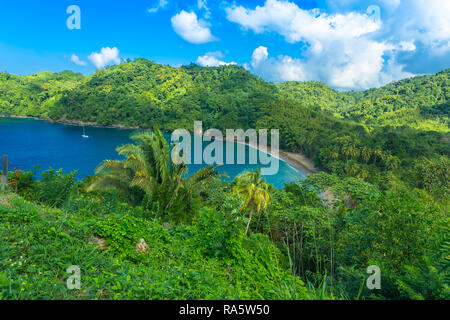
84 133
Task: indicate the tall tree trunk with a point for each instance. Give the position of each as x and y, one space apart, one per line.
250 217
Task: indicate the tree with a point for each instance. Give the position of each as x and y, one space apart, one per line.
254 191
149 168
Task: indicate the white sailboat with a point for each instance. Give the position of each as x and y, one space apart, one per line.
84 133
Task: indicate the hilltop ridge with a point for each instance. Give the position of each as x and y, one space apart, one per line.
144 93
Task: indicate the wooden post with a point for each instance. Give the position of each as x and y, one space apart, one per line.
4 178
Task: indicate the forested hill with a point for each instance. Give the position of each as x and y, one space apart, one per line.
35 94
400 128
143 93
422 102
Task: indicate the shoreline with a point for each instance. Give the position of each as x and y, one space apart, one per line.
297 161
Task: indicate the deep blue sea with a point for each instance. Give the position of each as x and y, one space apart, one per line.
30 142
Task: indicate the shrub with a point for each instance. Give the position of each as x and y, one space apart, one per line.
55 187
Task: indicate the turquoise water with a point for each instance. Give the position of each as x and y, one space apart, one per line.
30 142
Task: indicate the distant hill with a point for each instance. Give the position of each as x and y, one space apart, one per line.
143 93
33 95
422 102
147 94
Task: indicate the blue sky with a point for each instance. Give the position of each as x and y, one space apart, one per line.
339 42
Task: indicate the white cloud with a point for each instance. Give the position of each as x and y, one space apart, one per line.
282 68
296 24
352 67
428 22
106 56
75 59
290 69
259 55
341 49
407 46
211 59
161 5
191 29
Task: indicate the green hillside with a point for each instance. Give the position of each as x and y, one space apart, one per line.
143 93
141 228
397 128
34 95
421 102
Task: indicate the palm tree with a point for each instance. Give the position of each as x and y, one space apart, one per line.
366 154
393 162
378 153
254 191
148 167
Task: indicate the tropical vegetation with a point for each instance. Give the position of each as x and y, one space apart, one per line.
145 228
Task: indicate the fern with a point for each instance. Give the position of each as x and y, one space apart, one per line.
444 264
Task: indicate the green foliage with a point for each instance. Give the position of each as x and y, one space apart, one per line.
381 200
361 225
217 235
34 95
444 263
214 192
434 175
251 187
124 232
55 187
149 168
362 134
39 243
22 181
420 102
422 283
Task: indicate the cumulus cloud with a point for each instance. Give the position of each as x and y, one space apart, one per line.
426 22
340 49
75 59
212 59
296 24
352 67
282 68
259 55
104 57
191 29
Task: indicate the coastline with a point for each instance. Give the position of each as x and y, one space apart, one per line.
297 161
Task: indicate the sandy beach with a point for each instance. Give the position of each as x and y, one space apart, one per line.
299 162
296 160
